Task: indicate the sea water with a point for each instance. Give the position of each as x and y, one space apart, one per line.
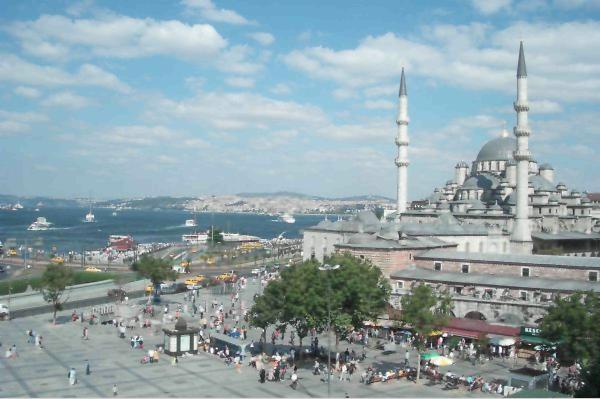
69 233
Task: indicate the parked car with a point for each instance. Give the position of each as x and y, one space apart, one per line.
92 269
256 272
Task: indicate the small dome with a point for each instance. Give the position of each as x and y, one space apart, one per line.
585 200
181 324
389 232
554 198
498 149
462 164
546 166
560 184
496 207
511 199
480 181
361 238
541 184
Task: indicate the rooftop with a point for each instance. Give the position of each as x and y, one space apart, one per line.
515 259
490 280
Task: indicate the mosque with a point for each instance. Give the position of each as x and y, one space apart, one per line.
503 202
495 236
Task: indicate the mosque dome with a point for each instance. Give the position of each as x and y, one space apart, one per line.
541 184
361 239
498 149
481 181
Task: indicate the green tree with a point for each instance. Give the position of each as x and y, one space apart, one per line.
155 269
359 293
424 311
267 309
590 377
215 236
574 322
379 212
53 284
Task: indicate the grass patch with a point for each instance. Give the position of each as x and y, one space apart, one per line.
18 286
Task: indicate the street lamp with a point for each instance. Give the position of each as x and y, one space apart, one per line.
326 268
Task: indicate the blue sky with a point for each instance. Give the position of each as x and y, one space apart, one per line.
195 97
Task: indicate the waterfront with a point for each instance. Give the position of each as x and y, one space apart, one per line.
69 233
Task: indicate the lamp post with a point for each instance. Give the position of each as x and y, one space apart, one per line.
327 268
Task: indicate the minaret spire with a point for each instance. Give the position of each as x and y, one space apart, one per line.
521 232
521 68
402 144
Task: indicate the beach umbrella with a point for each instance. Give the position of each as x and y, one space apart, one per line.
429 355
441 361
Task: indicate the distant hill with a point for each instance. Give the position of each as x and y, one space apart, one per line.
315 197
33 202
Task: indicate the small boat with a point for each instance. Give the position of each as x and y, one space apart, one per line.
190 223
37 209
17 206
114 213
40 224
287 218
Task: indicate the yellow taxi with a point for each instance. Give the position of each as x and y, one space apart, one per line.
57 260
195 280
12 252
92 269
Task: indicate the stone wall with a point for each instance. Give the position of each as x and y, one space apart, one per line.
506 269
389 261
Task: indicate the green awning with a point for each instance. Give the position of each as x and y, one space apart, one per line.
535 340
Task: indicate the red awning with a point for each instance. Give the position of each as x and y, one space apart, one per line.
476 327
460 332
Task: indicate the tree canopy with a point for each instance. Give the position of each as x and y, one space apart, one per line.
574 322
54 281
155 269
215 236
424 311
359 292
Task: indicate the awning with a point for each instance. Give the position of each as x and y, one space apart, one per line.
429 355
460 332
535 340
499 340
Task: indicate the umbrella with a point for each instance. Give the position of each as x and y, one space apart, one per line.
502 341
429 355
441 361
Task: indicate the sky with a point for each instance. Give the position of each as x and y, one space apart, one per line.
196 97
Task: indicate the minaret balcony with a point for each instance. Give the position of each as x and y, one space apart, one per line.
521 107
522 155
401 162
522 131
400 141
401 122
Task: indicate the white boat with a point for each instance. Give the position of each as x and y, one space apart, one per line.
40 224
287 218
37 209
191 223
89 218
17 206
114 213
195 238
236 237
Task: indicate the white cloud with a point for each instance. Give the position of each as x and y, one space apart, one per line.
166 160
16 70
545 107
28 92
196 143
281 88
56 36
66 99
264 38
209 11
379 104
241 82
489 7
138 135
344 93
18 122
383 90
238 111
563 59
235 60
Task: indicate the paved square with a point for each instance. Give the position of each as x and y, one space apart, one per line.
43 372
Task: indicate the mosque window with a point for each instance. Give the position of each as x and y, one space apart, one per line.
523 295
593 276
437 266
465 268
400 284
524 272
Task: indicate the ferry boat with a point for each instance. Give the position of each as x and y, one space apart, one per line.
17 206
195 238
39 225
287 218
89 218
236 237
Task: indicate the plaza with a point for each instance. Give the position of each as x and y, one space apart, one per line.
43 372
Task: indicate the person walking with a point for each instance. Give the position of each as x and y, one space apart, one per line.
115 390
72 375
294 379
87 368
406 357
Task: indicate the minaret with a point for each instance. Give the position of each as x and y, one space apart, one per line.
521 233
402 144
